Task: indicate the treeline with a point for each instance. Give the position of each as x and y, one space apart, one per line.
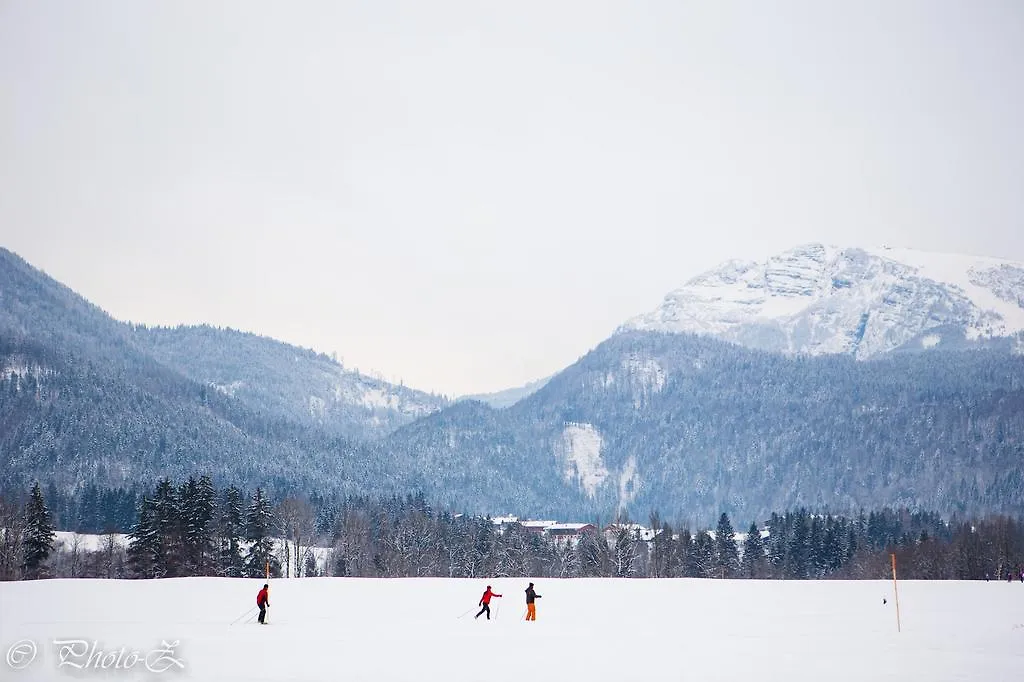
193 529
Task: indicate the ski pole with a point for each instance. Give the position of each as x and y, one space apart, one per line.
243 615
467 612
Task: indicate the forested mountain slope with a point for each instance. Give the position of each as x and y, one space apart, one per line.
692 426
687 425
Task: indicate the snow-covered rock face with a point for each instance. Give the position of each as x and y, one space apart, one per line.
229 389
645 372
579 451
819 299
368 393
16 368
642 375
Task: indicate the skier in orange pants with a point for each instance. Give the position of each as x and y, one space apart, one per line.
531 607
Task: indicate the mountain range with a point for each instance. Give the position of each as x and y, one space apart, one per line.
818 299
826 377
270 377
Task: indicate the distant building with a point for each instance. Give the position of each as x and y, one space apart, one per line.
559 533
537 526
568 533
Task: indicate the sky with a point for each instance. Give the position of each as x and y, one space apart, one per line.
468 196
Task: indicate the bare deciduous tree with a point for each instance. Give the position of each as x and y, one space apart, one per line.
12 524
296 519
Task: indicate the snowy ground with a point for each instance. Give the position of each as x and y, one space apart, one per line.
592 630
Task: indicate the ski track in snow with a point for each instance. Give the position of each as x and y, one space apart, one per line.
587 629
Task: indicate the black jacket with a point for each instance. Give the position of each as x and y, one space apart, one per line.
531 595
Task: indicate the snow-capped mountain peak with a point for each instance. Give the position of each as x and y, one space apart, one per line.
825 299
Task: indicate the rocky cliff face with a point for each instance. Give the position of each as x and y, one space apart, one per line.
819 299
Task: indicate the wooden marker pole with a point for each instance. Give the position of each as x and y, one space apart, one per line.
895 593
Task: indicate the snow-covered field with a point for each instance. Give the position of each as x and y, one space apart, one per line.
592 630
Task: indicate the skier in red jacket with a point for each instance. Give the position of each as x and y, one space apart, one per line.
485 602
263 601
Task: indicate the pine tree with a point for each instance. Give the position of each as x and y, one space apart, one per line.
727 558
701 560
850 548
798 557
230 531
167 519
197 502
259 521
38 535
202 524
144 548
817 562
778 534
754 559
833 545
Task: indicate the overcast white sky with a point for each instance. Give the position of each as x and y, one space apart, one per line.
470 195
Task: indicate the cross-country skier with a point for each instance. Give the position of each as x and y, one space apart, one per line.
263 601
485 602
531 608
